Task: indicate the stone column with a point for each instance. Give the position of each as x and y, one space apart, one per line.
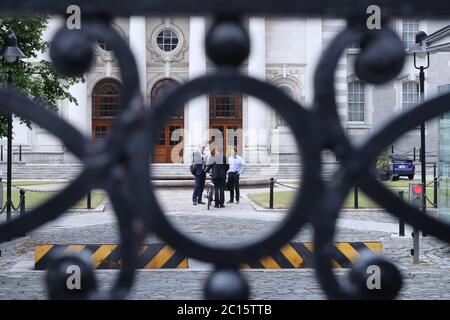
196 113
41 141
138 44
78 115
314 49
257 131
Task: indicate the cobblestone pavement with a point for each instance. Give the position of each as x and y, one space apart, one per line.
235 223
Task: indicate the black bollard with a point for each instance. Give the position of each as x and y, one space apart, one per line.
272 183
401 223
89 202
22 202
435 193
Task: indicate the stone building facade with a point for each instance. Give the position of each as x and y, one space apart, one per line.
284 52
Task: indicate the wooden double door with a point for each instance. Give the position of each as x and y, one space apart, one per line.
225 135
170 145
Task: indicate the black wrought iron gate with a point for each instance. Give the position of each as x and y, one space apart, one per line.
118 164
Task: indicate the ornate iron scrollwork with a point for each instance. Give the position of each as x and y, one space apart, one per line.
119 164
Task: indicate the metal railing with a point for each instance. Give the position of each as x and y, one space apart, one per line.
272 184
118 164
20 206
16 150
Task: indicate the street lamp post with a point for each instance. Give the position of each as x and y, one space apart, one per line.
420 52
10 53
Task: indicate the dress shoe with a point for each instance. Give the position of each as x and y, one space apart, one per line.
201 202
222 206
194 203
237 202
231 201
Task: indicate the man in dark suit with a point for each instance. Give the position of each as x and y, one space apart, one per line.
199 159
219 166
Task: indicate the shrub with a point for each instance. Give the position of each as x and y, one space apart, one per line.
383 162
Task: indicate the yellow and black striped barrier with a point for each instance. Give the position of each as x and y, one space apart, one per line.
294 255
107 256
297 255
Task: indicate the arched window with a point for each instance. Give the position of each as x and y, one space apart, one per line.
356 101
161 90
105 105
106 99
410 94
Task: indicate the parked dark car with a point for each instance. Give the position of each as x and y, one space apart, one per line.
401 166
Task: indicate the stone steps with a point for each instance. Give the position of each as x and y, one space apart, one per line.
23 170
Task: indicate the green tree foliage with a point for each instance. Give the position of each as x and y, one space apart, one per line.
37 79
383 162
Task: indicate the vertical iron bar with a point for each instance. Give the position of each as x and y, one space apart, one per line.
422 145
356 198
20 153
9 159
2 198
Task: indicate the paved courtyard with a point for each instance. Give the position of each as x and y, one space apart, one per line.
233 224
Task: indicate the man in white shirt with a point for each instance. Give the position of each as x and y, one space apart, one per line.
237 167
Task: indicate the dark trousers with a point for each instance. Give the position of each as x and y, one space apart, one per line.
219 190
198 187
233 184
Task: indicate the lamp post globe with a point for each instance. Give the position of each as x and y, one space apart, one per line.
11 54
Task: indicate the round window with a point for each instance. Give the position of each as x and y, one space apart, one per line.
167 40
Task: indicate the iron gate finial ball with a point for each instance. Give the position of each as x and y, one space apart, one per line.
375 277
71 52
227 284
227 43
377 66
70 276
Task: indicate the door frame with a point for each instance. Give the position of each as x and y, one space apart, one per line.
226 121
164 151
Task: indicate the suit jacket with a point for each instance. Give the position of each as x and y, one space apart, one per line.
199 162
219 166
